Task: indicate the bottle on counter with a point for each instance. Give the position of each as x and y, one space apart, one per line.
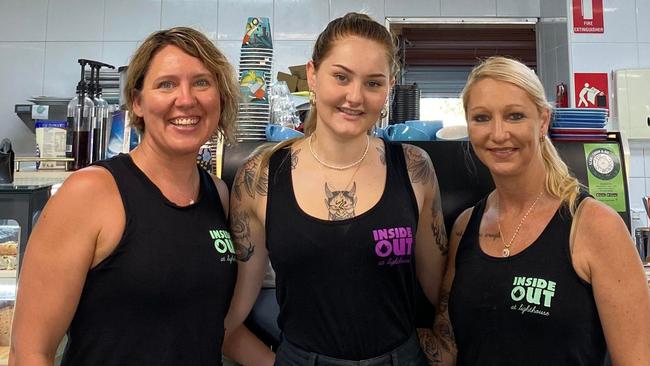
102 115
80 115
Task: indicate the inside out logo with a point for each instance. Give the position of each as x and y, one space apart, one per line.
394 241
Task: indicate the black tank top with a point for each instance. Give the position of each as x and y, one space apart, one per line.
345 288
528 309
160 298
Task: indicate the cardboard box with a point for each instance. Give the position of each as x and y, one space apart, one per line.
299 70
291 80
303 85
51 142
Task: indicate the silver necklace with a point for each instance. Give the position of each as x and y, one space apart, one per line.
506 247
363 156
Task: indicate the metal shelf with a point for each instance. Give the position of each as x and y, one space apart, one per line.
58 112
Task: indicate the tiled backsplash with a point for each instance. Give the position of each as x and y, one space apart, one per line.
41 40
639 178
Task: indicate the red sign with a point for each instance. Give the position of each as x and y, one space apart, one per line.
588 16
591 90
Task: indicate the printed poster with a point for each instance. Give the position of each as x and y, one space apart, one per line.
605 174
588 16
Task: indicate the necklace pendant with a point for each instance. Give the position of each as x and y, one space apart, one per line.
505 252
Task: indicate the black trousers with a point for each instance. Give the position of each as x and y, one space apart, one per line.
408 354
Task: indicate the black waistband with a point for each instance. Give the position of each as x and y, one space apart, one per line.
407 350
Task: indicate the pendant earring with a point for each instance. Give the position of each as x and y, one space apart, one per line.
312 97
383 113
542 138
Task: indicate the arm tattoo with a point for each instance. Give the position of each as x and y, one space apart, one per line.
419 167
340 204
438 228
443 323
382 155
429 346
241 234
294 159
441 339
247 179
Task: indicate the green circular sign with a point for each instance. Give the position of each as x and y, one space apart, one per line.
603 164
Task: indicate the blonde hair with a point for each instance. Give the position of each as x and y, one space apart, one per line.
559 182
350 24
195 44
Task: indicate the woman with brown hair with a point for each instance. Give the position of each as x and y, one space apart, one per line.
349 222
132 256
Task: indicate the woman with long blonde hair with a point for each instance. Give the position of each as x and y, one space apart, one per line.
540 273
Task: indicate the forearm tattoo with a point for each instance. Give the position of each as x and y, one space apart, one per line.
442 324
340 204
241 234
441 339
438 228
429 346
419 167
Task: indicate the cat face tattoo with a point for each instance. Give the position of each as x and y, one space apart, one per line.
340 204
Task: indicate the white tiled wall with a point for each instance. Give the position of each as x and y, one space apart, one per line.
199 14
23 20
233 15
89 26
412 8
625 43
41 40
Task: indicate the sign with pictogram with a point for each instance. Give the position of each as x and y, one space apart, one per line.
588 16
591 90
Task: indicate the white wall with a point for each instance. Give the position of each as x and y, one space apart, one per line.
41 40
625 43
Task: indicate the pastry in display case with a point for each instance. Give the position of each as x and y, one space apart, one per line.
9 239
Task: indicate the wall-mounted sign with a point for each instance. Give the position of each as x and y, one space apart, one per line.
591 90
604 175
588 16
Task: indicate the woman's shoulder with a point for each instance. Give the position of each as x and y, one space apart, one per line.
92 180
418 164
596 218
84 192
599 230
252 176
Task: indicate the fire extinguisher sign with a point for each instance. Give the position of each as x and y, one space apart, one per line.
591 90
588 16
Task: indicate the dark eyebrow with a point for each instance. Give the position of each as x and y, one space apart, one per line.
379 75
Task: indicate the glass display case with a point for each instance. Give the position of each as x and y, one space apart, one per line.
20 207
10 233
